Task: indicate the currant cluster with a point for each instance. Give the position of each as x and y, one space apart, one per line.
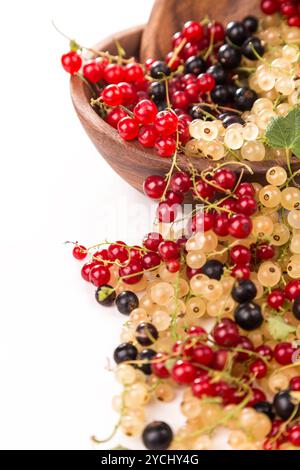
289 9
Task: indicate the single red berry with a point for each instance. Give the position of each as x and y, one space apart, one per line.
166 212
79 252
283 353
152 241
206 83
114 116
246 205
114 73
257 397
159 366
191 49
269 7
187 79
192 92
147 136
166 123
240 226
154 186
151 260
244 343
202 354
133 73
99 275
184 372
183 131
177 38
294 435
216 32
145 112
101 256
295 384
258 368
132 273
136 253
221 225
288 9
265 351
202 387
229 204
180 181
128 128
173 197
197 331
265 252
220 359
173 266
118 252
165 146
93 71
240 255
276 299
112 95
168 250
241 272
149 62
245 189
86 270
294 21
204 190
180 100
226 333
225 179
129 94
201 221
172 62
193 31
71 62
292 289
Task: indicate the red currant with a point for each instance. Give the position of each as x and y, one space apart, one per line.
99 275
292 290
265 351
225 179
245 189
165 146
181 182
241 272
93 71
295 384
145 112
128 93
184 372
71 62
204 190
244 343
133 73
147 136
154 186
79 252
246 205
159 366
206 83
294 435
86 270
221 225
258 368
240 226
112 95
128 128
193 31
276 299
269 7
132 273
202 387
114 73
283 353
166 123
118 252
152 241
168 250
114 116
216 32
151 260
173 266
240 255
202 354
180 100
265 252
226 333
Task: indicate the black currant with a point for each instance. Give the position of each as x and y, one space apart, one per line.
159 69
284 405
157 91
249 45
146 355
244 98
157 436
236 32
251 24
266 408
248 316
244 291
296 308
195 65
220 95
126 302
231 87
233 119
146 334
161 106
213 269
229 57
125 352
105 295
219 74
196 112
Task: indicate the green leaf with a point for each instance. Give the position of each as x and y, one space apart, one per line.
284 132
279 329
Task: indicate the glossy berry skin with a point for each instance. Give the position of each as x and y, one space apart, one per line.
226 333
99 275
105 295
246 205
257 396
181 182
174 197
202 387
221 225
86 270
258 368
294 435
79 252
154 186
184 372
240 255
249 45
244 343
174 266
125 352
71 62
146 356
216 32
159 70
269 7
152 241
283 353
265 351
168 250
206 83
241 272
114 116
112 95
157 436
250 23
229 57
128 128
126 302
236 32
266 408
118 252
145 112
166 212
244 99
219 360
244 291
133 73
292 290
240 226
146 334
202 354
93 72
151 260
213 269
147 136
129 95
225 179
114 73
166 123
245 189
157 91
218 73
195 65
248 316
180 100
204 190
276 299
220 95
284 405
265 252
192 31
165 146
296 308
158 366
132 273
295 384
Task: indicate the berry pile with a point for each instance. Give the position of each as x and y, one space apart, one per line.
289 9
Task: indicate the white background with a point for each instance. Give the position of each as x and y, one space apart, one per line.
54 338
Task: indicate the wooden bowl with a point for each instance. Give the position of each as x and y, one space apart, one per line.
130 160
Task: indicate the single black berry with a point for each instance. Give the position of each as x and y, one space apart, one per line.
213 269
159 70
248 316
250 45
245 98
125 352
126 302
105 295
233 119
220 95
236 32
146 355
229 57
146 334
244 291
266 408
195 65
231 87
157 91
196 112
157 436
219 74
284 405
296 308
251 24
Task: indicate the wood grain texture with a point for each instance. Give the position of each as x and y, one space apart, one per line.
130 160
169 16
